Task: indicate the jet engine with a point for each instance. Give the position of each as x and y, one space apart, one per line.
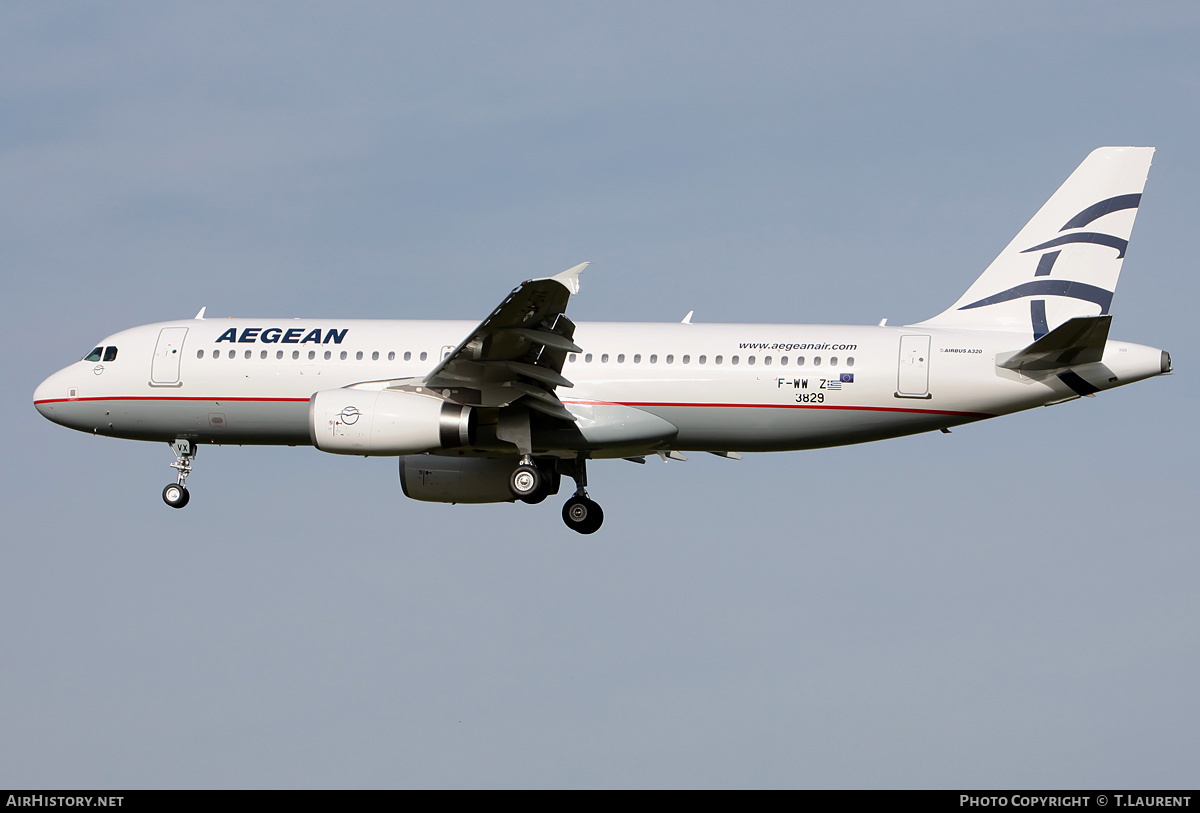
432 478
387 422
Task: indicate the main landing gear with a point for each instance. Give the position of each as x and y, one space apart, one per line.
582 514
527 483
176 494
531 483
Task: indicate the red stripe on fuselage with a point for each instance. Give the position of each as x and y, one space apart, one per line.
167 398
908 410
790 406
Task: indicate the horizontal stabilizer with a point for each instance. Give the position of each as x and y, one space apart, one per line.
1076 341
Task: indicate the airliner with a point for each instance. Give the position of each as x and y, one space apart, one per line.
500 411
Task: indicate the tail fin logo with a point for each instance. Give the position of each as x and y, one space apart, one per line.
1066 288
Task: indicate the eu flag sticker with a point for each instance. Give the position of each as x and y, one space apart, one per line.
847 378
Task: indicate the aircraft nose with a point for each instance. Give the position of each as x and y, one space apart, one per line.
47 394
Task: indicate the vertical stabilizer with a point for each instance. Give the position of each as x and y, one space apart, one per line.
1066 260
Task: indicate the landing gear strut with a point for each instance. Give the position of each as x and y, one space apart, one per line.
582 515
176 494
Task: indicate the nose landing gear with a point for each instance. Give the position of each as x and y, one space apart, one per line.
176 494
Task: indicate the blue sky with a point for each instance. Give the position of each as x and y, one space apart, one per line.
1011 605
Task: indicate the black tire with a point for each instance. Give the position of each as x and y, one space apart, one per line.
176 495
583 515
549 486
537 497
526 484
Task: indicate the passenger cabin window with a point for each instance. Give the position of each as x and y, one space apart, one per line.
94 355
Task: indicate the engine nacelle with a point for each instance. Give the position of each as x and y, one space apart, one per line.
386 422
432 478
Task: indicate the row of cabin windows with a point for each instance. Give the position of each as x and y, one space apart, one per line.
798 361
312 354
102 354
110 354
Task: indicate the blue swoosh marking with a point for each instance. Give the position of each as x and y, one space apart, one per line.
1078 383
1037 315
1104 207
1046 263
1093 237
1049 287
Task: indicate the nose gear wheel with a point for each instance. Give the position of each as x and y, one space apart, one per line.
176 494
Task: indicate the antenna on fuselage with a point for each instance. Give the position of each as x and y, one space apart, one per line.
200 313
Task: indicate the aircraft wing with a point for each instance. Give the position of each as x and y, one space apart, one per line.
518 351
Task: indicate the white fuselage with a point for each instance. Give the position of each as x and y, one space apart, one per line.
726 387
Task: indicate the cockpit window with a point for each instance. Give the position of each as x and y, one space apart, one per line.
110 354
94 355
